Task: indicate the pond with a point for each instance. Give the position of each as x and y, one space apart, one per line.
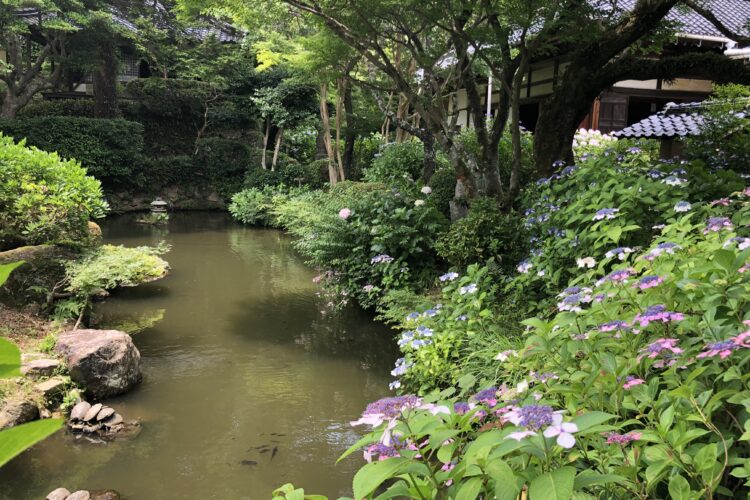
241 358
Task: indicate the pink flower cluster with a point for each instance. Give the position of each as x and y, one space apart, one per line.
725 348
622 439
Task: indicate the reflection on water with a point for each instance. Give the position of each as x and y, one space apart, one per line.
242 361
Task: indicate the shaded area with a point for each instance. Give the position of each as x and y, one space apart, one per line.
246 386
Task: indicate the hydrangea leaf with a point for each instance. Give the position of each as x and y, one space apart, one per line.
555 485
15 440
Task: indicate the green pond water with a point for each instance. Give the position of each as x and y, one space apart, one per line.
241 357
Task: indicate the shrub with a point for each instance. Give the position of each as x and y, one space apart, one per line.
58 107
223 162
111 266
397 163
636 388
44 198
485 233
366 238
258 178
292 174
251 206
606 202
443 185
111 150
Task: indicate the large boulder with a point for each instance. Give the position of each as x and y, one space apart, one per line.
17 413
105 362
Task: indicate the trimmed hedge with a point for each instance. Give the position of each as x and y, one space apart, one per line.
110 150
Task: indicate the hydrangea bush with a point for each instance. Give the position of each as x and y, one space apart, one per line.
636 388
606 206
366 239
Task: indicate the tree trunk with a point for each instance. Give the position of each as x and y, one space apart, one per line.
559 117
10 106
105 78
340 84
279 135
266 134
429 163
326 124
350 135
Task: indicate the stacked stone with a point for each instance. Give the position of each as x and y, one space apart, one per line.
87 418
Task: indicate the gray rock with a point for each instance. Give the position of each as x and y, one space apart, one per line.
79 495
79 411
17 413
58 494
114 420
93 412
105 362
39 368
105 413
52 388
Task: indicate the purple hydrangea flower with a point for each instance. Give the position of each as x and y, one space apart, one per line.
716 224
472 288
448 276
461 408
525 266
620 252
606 213
661 249
660 347
742 243
655 314
380 451
486 396
618 276
533 417
649 282
573 302
613 325
387 409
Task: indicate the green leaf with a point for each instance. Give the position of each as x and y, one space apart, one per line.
506 483
614 233
588 420
6 269
368 439
706 457
724 258
10 359
470 489
679 488
555 485
17 439
589 478
368 478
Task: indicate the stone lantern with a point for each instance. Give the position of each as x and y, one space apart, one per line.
158 206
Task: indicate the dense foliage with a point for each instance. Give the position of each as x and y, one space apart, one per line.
44 198
608 200
110 150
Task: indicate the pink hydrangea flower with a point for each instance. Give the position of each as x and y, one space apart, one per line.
344 213
631 382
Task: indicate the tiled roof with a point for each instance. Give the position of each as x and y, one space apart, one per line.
676 120
734 14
